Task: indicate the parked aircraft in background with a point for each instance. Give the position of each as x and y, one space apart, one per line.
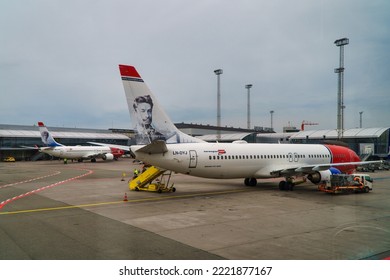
75 152
161 144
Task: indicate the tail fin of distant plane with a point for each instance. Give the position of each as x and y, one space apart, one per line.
149 119
46 136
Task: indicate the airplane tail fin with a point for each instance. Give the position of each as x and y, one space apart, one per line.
46 136
149 119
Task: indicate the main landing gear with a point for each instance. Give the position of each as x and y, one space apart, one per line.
291 182
286 185
250 182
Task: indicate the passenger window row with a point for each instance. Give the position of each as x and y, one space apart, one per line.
266 156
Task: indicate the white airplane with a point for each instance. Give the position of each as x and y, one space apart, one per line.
161 144
75 152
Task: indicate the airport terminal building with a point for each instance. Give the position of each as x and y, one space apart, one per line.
20 141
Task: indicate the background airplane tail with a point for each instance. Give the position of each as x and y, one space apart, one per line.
46 136
149 119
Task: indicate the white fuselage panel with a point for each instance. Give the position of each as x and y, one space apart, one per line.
235 160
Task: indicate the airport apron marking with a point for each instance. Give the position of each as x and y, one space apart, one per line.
5 202
146 199
30 180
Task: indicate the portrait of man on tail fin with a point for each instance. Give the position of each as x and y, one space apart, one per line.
146 132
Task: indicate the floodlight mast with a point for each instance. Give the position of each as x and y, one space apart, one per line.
218 72
248 87
340 92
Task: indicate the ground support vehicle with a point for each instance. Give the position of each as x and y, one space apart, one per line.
347 183
9 159
152 179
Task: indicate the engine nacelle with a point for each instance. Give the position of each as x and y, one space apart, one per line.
319 176
108 156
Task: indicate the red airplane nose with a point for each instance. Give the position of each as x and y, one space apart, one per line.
343 154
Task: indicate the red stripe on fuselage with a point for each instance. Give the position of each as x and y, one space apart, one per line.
342 154
128 71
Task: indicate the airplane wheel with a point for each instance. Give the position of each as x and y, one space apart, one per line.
252 182
246 182
282 185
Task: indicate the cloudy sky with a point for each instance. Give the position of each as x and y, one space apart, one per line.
59 60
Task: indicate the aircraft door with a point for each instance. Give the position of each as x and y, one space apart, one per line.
193 159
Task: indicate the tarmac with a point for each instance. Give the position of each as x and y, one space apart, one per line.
78 211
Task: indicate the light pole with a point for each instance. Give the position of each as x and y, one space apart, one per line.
218 72
340 93
361 113
272 113
248 87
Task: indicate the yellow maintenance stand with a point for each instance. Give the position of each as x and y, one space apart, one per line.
144 181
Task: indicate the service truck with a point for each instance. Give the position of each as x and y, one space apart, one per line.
342 183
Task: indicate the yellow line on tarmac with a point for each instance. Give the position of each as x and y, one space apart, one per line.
117 202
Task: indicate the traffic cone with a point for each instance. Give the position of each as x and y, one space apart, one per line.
125 197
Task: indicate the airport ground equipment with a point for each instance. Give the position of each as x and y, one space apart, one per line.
153 179
343 183
9 159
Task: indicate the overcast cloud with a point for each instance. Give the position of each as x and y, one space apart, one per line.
59 60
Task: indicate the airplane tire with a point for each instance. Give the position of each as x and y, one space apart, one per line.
288 186
252 182
282 185
246 182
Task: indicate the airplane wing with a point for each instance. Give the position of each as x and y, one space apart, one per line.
308 169
121 147
30 147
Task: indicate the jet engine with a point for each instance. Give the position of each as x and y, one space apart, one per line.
319 176
108 156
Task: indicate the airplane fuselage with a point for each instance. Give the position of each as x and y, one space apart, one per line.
243 160
77 152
